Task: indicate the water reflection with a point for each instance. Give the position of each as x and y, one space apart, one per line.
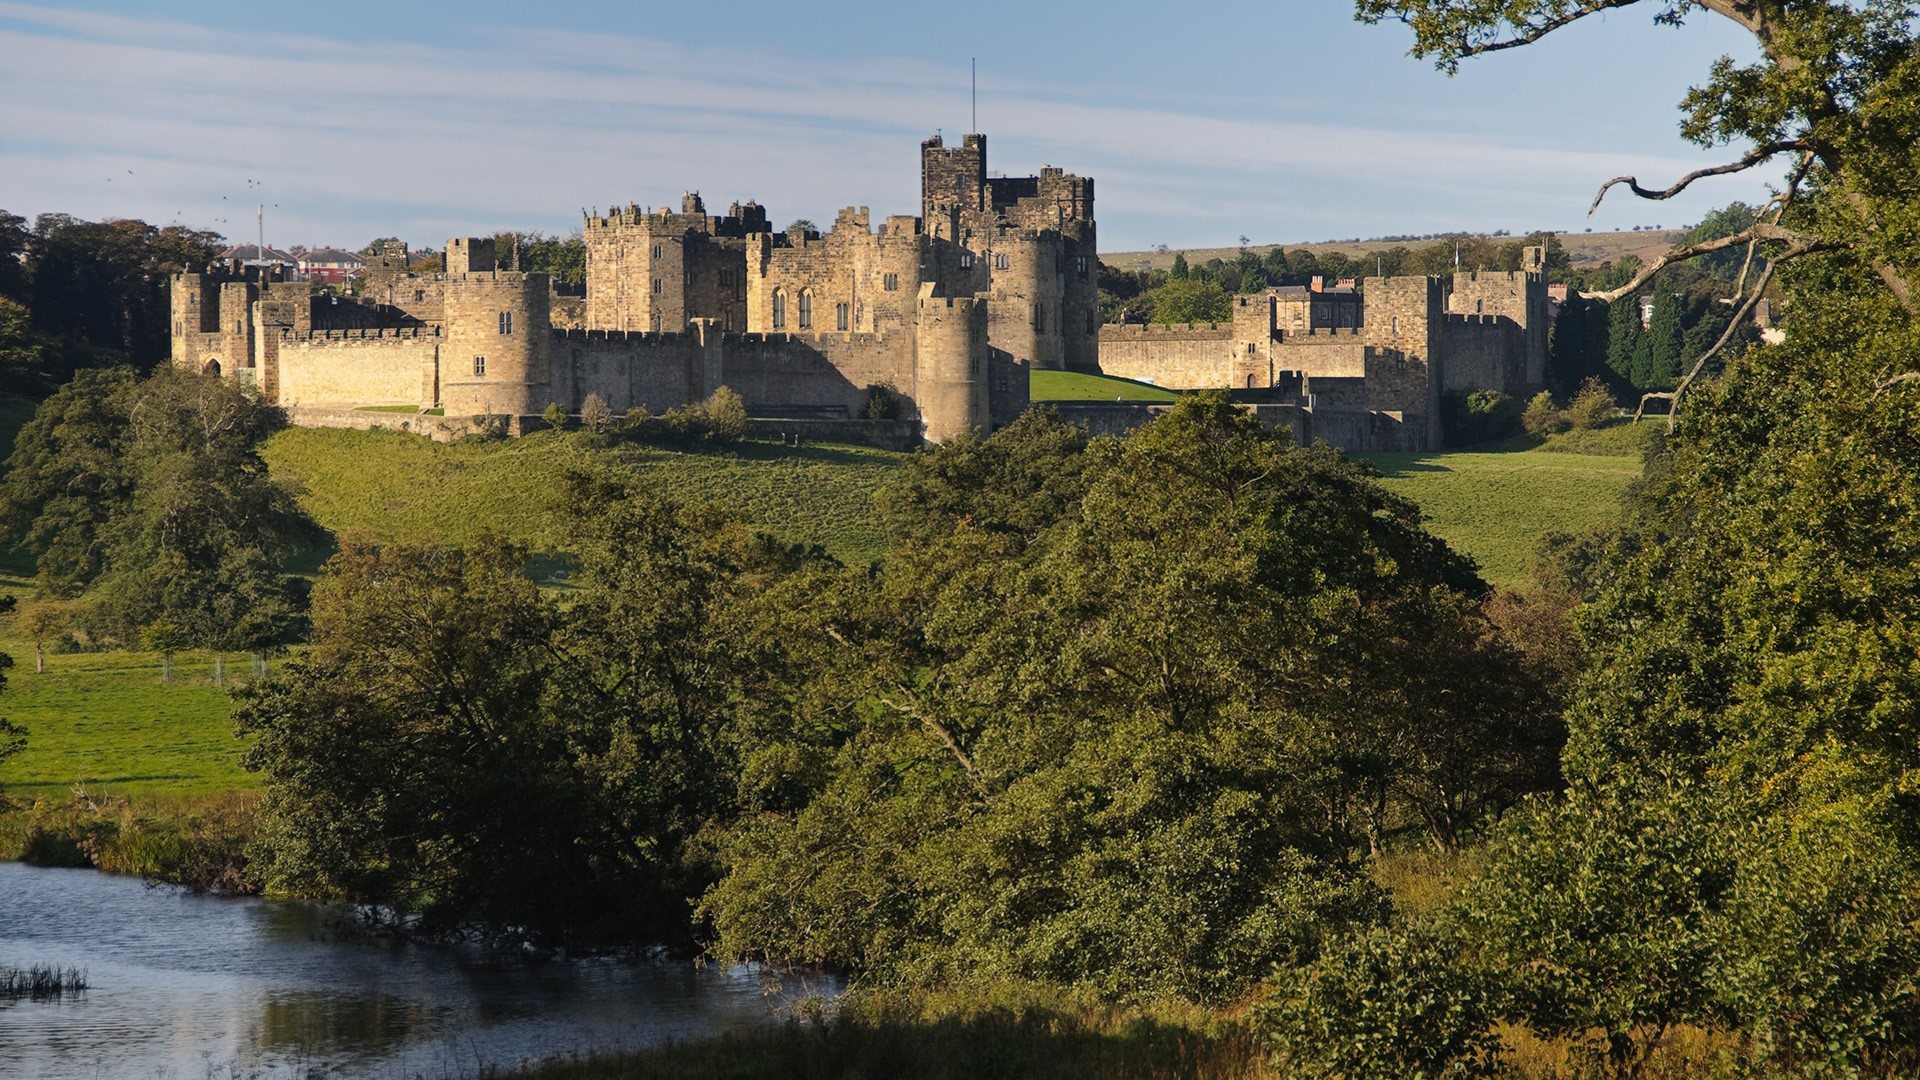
187 987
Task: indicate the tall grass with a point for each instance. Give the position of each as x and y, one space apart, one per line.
1005 1030
41 982
198 842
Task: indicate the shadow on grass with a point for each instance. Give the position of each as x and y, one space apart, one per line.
1393 466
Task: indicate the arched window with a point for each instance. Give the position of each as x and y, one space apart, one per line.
1000 261
806 309
779 309
841 314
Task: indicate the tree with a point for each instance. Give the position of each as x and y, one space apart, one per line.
1657 355
1180 271
595 414
1734 851
1623 341
152 495
1191 299
555 416
1125 717
41 622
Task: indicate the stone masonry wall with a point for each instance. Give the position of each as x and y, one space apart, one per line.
1190 357
342 369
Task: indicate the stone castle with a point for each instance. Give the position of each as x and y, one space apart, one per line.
951 310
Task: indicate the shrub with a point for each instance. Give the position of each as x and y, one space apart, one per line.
1385 1004
555 416
719 421
883 402
1542 417
1592 407
595 414
1479 416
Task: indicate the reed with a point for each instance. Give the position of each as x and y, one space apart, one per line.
41 982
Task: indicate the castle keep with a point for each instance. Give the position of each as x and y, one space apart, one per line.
951 309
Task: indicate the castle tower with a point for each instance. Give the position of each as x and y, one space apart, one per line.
952 179
950 365
498 338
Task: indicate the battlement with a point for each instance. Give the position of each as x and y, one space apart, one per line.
371 333
1165 331
1452 319
1321 333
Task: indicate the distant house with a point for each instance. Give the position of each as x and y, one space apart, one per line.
334 266
249 255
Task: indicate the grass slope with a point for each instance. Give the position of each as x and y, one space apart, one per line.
106 722
1494 506
400 487
1078 386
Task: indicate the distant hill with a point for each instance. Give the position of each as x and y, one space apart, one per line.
1581 247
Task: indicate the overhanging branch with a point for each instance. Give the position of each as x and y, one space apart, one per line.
1756 156
1798 244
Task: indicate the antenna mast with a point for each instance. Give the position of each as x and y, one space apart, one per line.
260 234
973 82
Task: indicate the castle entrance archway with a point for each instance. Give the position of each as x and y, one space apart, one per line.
212 367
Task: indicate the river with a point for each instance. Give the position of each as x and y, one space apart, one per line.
186 987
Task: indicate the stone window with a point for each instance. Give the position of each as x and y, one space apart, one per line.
1396 324
656 286
419 294
479 365
1477 305
806 309
506 322
653 323
1000 261
841 314
890 282
656 251
686 276
966 260
726 277
779 309
1080 265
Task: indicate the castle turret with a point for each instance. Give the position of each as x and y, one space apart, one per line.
496 359
950 365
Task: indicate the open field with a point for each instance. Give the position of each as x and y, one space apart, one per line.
1595 247
1078 386
1493 505
106 722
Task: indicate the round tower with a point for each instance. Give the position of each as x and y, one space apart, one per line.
950 365
494 357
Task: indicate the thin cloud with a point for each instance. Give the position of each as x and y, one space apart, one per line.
355 139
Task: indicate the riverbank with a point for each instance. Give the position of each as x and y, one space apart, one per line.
198 841
1011 1029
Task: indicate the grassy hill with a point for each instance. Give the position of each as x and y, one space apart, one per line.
106 721
1494 505
1078 386
397 486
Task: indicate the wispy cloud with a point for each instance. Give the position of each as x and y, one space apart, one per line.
348 139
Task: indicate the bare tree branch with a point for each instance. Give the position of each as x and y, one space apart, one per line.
1754 157
1798 244
1887 384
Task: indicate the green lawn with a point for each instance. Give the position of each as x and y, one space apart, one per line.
1078 386
401 487
107 722
1493 506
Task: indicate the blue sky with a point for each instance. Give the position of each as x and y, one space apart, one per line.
1200 122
